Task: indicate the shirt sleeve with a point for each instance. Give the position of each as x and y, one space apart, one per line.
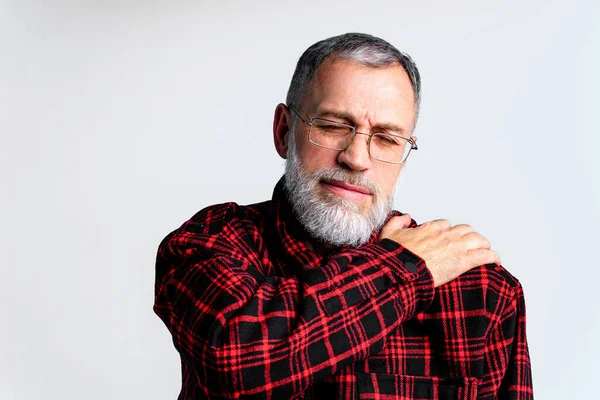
248 335
508 373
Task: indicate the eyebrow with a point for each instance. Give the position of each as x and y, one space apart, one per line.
348 118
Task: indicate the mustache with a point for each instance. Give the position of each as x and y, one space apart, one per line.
352 178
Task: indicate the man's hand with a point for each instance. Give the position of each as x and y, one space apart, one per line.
448 251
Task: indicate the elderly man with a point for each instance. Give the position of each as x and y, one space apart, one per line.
324 292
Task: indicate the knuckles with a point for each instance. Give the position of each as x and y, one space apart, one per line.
468 228
438 224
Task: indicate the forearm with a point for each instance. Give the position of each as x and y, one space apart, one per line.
272 338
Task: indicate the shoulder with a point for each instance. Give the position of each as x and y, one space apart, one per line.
212 223
211 219
498 275
213 230
489 288
490 276
502 290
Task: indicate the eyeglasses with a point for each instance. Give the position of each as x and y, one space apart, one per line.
333 135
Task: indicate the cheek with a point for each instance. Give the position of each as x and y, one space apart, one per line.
314 157
386 178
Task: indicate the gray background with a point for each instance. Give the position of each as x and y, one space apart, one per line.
121 119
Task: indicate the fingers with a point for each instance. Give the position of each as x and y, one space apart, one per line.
401 222
463 229
441 224
474 240
478 247
438 242
483 256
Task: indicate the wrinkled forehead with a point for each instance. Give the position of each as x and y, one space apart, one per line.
362 91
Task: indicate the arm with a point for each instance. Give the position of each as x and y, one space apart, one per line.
508 373
271 337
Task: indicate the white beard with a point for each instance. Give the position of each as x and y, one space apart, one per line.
327 217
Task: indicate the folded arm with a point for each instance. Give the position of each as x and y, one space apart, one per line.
248 334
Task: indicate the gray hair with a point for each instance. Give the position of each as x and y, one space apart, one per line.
360 47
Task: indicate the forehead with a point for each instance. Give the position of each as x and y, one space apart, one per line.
369 94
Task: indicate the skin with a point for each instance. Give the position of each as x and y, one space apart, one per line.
372 99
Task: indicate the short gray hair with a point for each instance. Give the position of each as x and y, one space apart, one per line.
360 47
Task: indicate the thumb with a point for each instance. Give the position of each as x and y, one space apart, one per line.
406 221
401 222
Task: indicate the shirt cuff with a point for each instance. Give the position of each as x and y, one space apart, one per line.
407 267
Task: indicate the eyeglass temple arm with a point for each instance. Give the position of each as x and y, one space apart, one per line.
298 115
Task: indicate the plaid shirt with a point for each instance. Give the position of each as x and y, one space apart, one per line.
254 313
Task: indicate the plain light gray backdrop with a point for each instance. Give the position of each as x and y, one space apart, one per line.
120 119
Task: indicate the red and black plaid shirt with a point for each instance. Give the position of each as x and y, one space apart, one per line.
255 314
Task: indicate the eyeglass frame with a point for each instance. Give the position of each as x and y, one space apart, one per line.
413 144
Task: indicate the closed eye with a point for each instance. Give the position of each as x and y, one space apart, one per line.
388 140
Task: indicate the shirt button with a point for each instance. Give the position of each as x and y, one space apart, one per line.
410 266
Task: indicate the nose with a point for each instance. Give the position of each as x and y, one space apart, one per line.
356 156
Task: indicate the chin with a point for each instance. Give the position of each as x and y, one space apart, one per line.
349 205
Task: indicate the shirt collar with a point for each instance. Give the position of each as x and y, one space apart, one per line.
291 233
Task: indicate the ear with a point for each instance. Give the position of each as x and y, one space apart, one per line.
281 129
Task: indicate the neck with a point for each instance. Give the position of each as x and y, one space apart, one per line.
318 246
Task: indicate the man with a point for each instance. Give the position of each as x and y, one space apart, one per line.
324 292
